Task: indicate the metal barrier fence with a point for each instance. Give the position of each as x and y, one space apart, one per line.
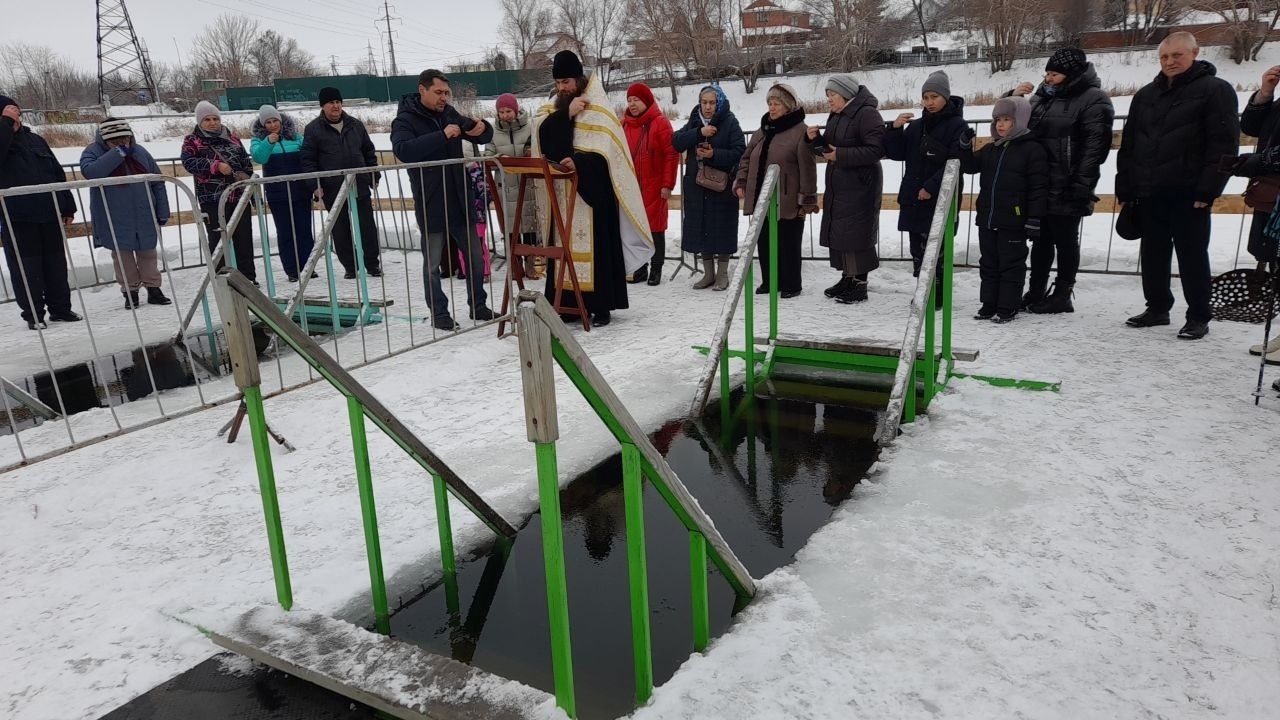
74 383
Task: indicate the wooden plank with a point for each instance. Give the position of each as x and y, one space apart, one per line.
864 346
688 503
241 350
393 677
537 376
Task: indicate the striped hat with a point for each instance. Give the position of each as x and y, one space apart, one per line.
114 129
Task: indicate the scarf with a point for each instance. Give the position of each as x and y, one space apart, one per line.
770 128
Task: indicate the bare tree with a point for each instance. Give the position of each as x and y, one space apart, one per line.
40 77
855 28
603 38
1141 18
1244 22
1073 18
275 56
571 18
651 19
917 8
224 50
522 22
1005 26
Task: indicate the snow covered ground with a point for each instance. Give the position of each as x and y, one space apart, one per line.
1108 551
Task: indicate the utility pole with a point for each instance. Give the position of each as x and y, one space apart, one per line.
333 65
391 43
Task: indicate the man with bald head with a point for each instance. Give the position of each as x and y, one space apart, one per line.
1180 126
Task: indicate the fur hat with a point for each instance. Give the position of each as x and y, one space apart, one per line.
206 109
784 94
566 65
937 82
1018 108
508 101
1068 61
115 128
845 85
329 94
268 112
641 91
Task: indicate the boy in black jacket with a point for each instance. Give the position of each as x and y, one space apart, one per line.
1012 200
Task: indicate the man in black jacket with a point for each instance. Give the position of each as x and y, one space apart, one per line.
1180 127
429 128
337 141
33 242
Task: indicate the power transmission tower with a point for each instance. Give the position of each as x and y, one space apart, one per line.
391 43
373 64
123 63
333 65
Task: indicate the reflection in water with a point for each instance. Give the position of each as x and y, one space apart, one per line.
768 480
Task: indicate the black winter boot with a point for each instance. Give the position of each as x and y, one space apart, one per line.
1058 301
155 296
855 292
1035 293
841 286
130 299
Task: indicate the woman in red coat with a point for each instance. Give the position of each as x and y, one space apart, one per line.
655 159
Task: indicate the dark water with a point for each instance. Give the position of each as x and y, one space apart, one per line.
768 481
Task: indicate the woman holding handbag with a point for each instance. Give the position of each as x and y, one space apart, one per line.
713 143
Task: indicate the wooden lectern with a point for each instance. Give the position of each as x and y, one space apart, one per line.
537 168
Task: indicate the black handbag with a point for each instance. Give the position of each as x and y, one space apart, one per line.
1244 295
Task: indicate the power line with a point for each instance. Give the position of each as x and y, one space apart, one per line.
391 43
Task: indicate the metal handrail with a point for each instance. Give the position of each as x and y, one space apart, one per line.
746 255
545 341
904 376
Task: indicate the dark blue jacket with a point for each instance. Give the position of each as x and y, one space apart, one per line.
25 159
135 208
324 148
925 145
417 135
710 218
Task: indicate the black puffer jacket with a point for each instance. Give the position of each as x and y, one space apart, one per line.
1074 125
851 202
324 148
1014 185
1176 134
925 144
25 159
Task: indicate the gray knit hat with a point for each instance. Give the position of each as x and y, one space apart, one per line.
938 82
784 94
205 109
268 112
845 85
114 129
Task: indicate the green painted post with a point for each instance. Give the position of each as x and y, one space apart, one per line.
335 323
749 321
638 567
369 516
698 582
270 502
444 525
261 211
557 585
724 383
929 366
948 272
773 265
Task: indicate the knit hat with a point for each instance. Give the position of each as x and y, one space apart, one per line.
566 65
846 86
114 129
329 94
206 109
6 101
1068 61
508 101
641 91
1016 107
268 112
937 82
784 94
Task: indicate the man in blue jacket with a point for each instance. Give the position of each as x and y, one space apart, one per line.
33 242
429 128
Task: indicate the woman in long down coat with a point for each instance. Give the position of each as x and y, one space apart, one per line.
710 227
852 146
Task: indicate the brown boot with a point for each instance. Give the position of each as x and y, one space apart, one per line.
708 273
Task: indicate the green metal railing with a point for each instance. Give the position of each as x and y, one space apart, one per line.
237 298
545 342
